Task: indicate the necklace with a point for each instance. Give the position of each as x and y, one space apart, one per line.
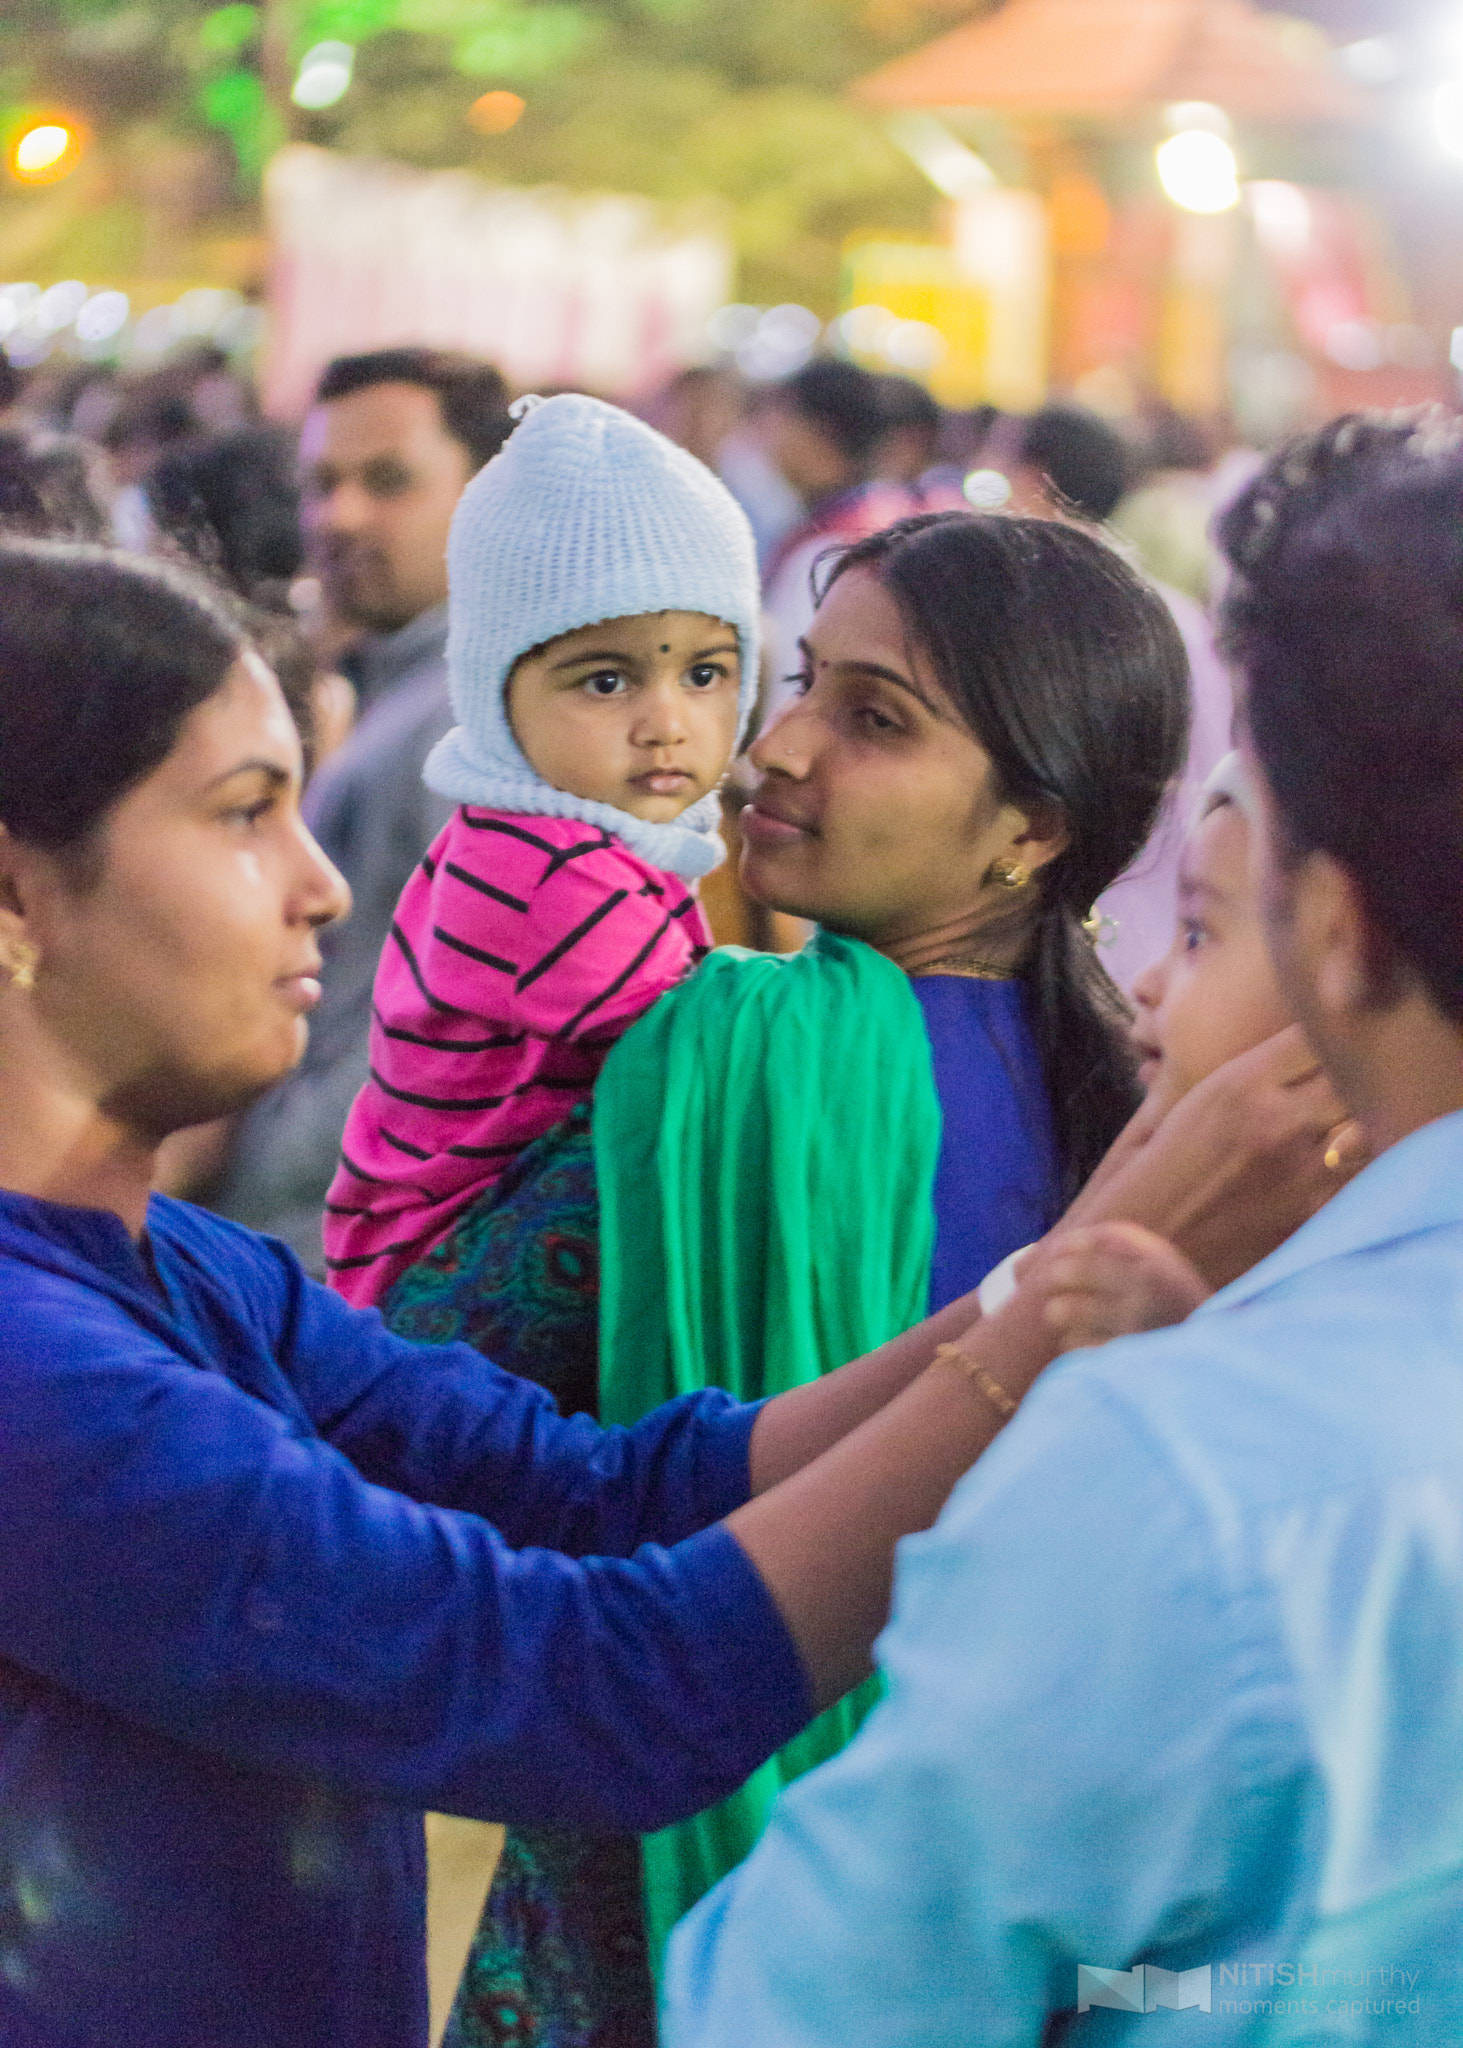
968 970
966 953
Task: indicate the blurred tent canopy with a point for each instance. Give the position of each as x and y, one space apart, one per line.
1284 286
745 101
1095 59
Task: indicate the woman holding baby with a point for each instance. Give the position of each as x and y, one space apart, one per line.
789 1161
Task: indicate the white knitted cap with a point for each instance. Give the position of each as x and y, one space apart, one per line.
586 514
1229 783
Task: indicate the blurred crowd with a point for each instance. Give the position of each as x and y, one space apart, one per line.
331 540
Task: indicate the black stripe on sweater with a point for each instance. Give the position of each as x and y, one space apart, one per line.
473 953
484 888
497 1043
618 983
412 1152
567 853
465 1105
509 832
571 939
377 1180
404 945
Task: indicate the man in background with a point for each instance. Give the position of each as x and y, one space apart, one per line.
386 451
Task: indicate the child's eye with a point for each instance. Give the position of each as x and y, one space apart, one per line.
607 683
705 676
1193 934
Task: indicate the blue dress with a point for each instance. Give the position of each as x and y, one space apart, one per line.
272 1581
997 1185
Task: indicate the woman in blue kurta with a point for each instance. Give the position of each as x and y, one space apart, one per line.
273 1580
988 715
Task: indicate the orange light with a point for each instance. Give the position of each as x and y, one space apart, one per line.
1081 222
45 152
496 112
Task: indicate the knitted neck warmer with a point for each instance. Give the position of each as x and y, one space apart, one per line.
498 777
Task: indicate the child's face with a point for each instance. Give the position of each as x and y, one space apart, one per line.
640 713
1213 995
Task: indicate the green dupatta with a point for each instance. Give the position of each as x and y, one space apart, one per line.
765 1143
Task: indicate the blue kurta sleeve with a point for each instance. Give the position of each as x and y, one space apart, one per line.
186 1552
445 1426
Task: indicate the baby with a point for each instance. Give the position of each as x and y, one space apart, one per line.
602 653
1210 998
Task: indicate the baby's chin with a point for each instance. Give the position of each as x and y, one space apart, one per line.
656 807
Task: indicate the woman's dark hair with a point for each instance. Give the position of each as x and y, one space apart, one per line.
1345 613
233 504
46 487
102 657
22 508
1071 673
1084 460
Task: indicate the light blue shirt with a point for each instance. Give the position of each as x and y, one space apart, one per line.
1176 1681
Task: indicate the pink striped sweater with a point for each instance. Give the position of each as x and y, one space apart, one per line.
523 947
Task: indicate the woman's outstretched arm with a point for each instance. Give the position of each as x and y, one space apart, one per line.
823 1540
798 1426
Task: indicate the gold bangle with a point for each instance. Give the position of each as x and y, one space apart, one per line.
995 1393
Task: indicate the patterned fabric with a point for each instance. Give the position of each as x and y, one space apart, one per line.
521 949
559 1960
518 1279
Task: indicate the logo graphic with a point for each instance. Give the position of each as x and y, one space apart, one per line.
1144 1988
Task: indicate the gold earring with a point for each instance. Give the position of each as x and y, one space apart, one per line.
24 965
1010 873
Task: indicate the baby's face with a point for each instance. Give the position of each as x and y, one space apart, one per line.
640 713
1213 995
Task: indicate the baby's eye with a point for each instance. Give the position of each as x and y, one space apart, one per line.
705 676
607 683
1192 934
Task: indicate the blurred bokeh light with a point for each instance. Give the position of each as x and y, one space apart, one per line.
45 152
494 113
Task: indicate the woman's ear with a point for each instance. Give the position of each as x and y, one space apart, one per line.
1044 834
10 895
18 954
